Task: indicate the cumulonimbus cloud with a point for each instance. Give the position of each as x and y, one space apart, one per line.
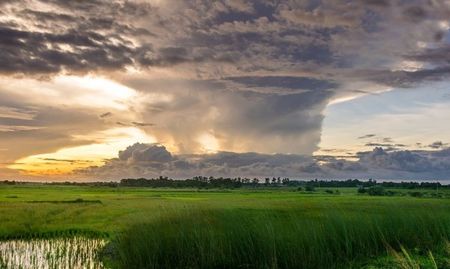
251 76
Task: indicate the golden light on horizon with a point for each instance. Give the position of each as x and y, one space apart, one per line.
66 160
81 81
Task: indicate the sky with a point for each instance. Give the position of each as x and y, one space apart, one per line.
110 89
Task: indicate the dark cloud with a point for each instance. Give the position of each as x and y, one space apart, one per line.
168 56
381 3
248 37
415 13
440 55
145 153
342 165
386 146
70 38
106 115
398 160
285 82
367 136
256 75
53 160
142 124
136 124
151 160
404 79
443 153
154 160
27 52
233 160
437 145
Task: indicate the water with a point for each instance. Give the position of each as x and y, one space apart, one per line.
61 253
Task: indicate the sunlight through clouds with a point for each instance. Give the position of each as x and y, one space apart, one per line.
84 91
97 91
209 142
67 159
82 80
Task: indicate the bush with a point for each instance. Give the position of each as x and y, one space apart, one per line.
436 195
361 189
416 194
376 191
391 193
329 191
310 188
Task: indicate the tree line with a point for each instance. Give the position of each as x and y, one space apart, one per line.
238 182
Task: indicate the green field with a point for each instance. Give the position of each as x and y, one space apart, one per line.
243 228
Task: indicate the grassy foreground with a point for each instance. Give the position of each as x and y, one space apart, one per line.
277 238
273 228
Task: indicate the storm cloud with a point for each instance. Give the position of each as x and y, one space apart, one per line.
209 76
152 160
227 38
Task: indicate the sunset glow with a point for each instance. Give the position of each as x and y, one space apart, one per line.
307 89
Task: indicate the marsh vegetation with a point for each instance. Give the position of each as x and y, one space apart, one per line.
62 253
283 227
290 238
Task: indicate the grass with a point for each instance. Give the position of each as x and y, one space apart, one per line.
236 238
413 258
73 252
268 228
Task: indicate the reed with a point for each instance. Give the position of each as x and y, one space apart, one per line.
275 238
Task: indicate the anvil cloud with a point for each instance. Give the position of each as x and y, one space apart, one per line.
203 78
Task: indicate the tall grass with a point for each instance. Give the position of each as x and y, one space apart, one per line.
237 238
62 253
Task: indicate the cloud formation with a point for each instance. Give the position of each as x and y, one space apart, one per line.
202 76
229 38
152 160
145 153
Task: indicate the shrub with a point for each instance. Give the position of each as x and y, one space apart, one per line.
310 188
361 189
376 191
436 195
416 194
391 193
